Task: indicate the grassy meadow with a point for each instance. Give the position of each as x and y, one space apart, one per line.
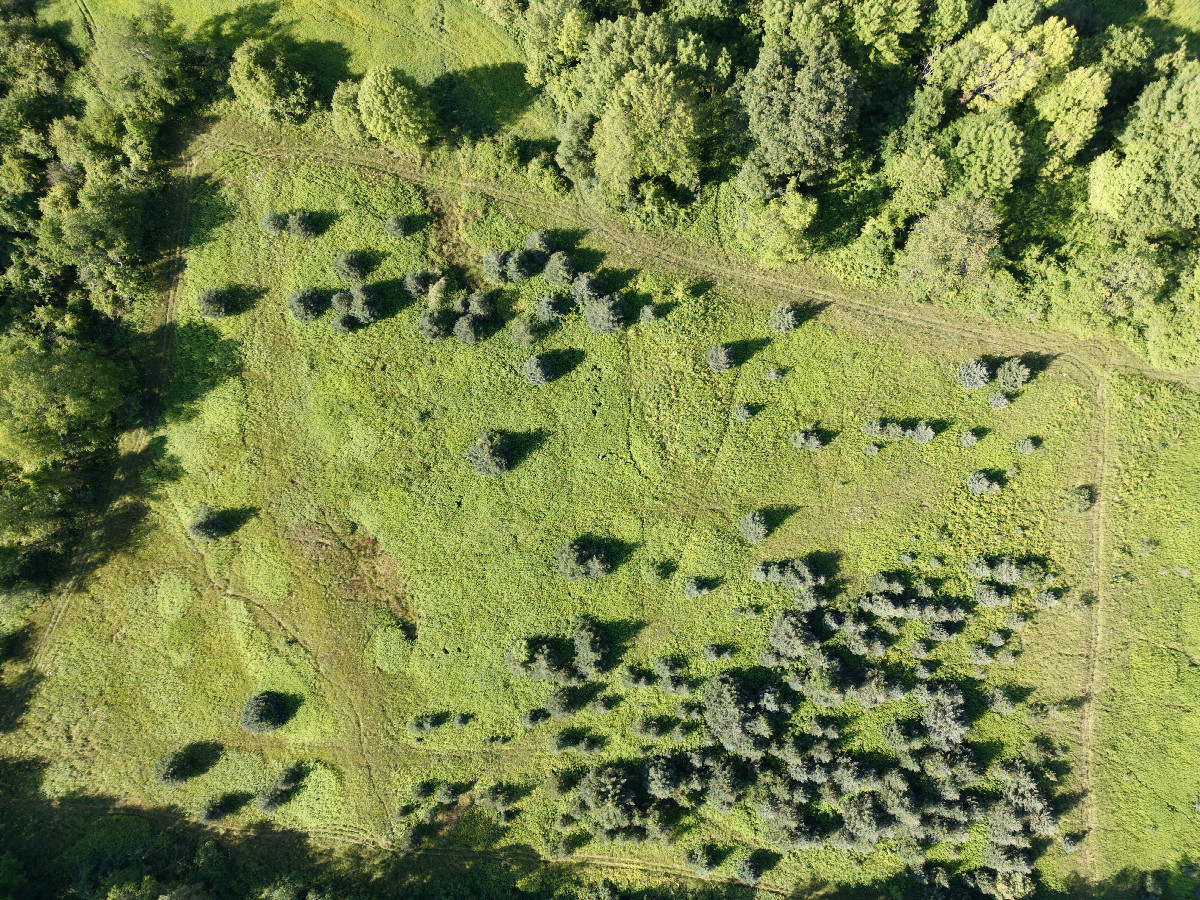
373 576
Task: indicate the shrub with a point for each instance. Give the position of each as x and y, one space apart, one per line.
174 768
747 872
533 717
603 316
341 301
753 526
302 225
551 309
397 226
998 400
273 223
206 526
524 332
784 318
489 454
469 328
344 323
213 303
720 358
743 413
648 314
495 266
806 440
350 265
347 123
695 587
434 324
365 304
480 304
922 433
968 439
1012 374
1025 446
265 711
394 110
577 559
974 374
980 483
536 370
871 449
773 375
585 289
559 269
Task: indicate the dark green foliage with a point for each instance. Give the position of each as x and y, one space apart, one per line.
287 782
469 328
351 265
265 711
537 370
306 304
416 284
974 374
206 526
495 266
344 323
801 101
604 315
720 358
302 225
489 454
559 270
341 302
610 803
1012 375
480 304
1081 499
521 265
366 306
396 226
274 223
578 559
421 725
753 526
700 860
943 718
213 303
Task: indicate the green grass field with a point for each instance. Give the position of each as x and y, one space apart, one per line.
364 526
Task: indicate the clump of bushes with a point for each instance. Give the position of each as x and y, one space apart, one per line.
489 454
265 711
577 559
306 304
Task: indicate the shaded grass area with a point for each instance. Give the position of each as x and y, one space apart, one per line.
1147 778
374 577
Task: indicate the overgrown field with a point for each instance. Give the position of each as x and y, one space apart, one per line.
373 577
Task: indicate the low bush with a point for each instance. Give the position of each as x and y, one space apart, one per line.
206 526
350 265
213 303
306 304
265 711
720 358
489 454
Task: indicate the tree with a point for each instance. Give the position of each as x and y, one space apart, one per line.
580 559
524 332
922 433
520 265
650 129
469 328
213 303
591 648
394 110
273 223
990 152
1070 109
265 711
955 245
306 304
397 226
974 374
550 309
753 526
1150 184
536 370
802 103
495 266
489 454
206 526
302 225
720 358
748 872
347 123
365 304
806 440
604 315
968 438
434 324
944 719
350 265
267 86
1025 446
559 270
980 483
784 318
1012 374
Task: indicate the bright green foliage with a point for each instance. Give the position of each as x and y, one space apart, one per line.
990 153
802 101
394 110
951 247
553 37
1151 185
880 24
649 129
267 86
1071 110
347 122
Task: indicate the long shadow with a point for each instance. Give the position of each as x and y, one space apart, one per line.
477 102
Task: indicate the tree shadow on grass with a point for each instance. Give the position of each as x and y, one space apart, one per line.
562 362
477 102
744 351
523 444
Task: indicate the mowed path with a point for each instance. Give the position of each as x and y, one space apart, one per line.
1092 360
